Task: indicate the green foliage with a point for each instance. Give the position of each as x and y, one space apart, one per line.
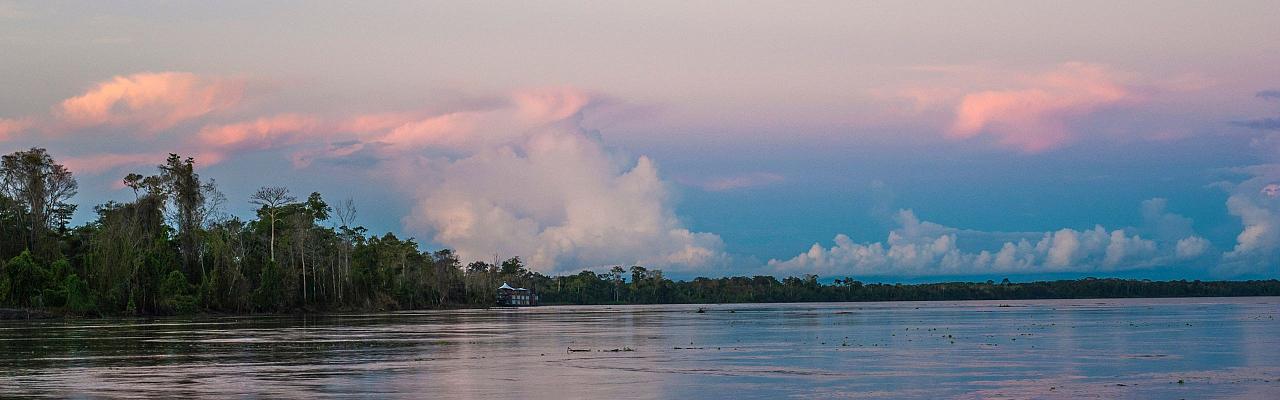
176 294
79 298
5 287
513 267
37 189
317 208
270 289
59 269
53 297
27 280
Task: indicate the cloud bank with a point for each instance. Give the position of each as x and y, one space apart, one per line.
922 248
1164 239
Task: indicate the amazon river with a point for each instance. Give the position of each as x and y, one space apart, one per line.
1132 348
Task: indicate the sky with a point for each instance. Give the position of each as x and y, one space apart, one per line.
888 141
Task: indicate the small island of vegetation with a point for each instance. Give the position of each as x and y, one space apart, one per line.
173 250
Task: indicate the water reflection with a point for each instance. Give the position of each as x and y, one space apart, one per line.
1054 349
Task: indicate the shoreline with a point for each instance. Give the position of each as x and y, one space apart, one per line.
27 314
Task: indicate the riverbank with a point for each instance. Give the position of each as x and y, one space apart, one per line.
22 313
10 314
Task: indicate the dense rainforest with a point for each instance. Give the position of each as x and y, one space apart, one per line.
174 250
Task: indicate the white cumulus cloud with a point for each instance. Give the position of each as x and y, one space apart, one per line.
553 194
922 248
1258 243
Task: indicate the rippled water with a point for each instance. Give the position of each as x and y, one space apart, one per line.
1219 348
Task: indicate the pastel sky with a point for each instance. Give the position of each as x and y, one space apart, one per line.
889 141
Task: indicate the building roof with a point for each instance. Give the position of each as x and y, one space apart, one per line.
506 286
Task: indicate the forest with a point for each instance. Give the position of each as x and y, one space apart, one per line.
174 249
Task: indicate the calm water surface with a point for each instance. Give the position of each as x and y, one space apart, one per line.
1141 348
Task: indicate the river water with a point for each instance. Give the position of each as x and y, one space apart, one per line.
1132 348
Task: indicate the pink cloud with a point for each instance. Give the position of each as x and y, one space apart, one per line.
405 131
162 100
97 164
9 127
154 101
470 128
448 129
550 104
377 122
262 133
281 130
1035 117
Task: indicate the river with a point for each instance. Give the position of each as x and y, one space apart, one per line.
1108 348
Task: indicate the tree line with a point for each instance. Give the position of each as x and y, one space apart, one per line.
174 249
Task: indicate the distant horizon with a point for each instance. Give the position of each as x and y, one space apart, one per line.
981 140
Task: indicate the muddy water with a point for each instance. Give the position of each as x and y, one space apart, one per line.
1216 348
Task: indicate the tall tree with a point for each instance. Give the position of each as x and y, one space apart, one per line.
41 187
271 198
347 217
615 274
445 268
313 210
182 184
